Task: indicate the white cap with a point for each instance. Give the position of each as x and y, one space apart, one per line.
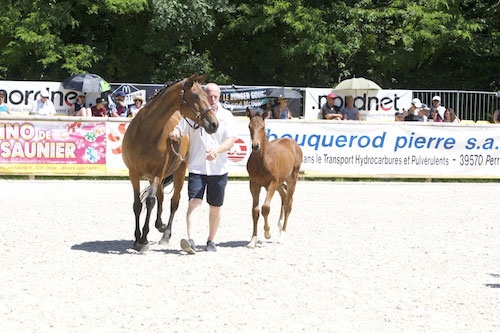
416 102
44 93
436 98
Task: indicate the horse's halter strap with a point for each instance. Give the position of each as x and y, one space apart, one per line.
198 115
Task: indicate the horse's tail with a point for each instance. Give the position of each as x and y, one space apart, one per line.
164 183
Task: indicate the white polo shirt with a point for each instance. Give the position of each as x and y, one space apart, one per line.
200 142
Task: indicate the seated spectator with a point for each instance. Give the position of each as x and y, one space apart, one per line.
99 110
349 111
418 108
496 116
329 110
266 106
121 108
281 110
43 106
437 110
399 116
450 116
79 108
138 104
4 107
413 115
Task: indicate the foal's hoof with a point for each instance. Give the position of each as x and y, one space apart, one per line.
141 247
267 234
252 243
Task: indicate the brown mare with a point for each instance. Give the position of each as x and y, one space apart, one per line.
275 166
149 153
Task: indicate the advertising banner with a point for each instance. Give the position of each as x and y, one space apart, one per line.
330 148
60 148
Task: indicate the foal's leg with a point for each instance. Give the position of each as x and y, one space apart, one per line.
266 208
289 197
282 191
255 191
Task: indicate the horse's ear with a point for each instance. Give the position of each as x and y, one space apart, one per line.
265 114
249 113
202 78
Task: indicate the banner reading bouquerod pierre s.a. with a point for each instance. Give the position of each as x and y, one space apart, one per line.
395 149
52 147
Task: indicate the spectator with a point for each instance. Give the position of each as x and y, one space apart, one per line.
99 110
281 110
138 104
496 116
207 166
399 116
349 111
437 110
418 108
413 115
450 116
4 107
79 108
121 109
43 106
329 110
266 105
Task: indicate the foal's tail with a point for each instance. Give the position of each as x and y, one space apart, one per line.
164 183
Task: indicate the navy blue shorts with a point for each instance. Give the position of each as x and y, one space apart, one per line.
215 186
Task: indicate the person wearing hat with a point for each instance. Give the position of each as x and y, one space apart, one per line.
79 108
43 106
138 104
99 110
417 111
281 110
437 110
329 110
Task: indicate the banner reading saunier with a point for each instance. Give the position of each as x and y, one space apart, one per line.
43 147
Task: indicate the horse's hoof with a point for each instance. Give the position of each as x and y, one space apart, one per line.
164 241
162 228
141 247
267 235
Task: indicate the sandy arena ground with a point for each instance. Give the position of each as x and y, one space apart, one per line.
378 257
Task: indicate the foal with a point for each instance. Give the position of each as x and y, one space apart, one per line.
275 166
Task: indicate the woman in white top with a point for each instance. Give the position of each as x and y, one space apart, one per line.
4 107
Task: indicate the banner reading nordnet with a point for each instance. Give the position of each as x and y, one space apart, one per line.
63 146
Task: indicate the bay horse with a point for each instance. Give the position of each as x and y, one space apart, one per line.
274 165
149 153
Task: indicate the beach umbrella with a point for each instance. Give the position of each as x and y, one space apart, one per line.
357 83
88 83
283 93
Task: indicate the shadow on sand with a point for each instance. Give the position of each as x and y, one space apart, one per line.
105 247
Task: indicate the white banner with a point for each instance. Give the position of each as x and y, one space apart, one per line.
399 149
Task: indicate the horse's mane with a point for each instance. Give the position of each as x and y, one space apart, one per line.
165 87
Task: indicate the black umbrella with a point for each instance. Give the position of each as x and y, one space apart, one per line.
90 83
283 93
